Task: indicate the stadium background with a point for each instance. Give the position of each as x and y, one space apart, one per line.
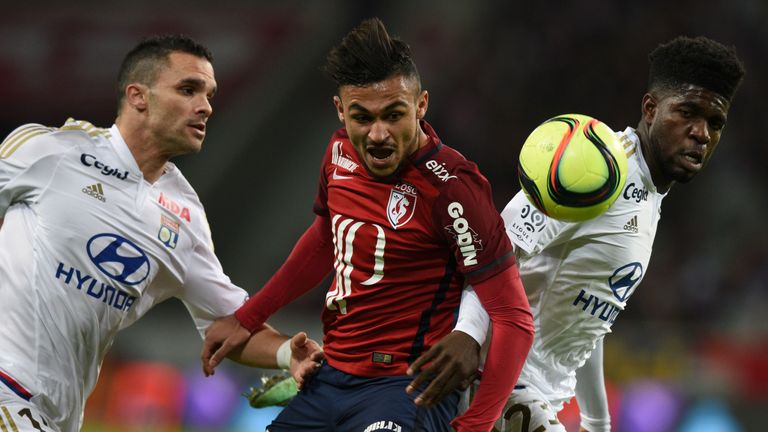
689 354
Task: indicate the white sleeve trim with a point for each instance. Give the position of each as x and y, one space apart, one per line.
473 319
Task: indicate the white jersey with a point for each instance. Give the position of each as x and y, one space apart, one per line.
87 247
579 276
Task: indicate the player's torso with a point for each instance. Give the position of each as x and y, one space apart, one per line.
107 236
101 246
580 276
396 285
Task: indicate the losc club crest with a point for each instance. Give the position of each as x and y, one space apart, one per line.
402 204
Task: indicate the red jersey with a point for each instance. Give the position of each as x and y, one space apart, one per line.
404 248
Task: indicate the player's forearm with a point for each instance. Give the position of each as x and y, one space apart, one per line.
261 349
590 393
309 262
504 299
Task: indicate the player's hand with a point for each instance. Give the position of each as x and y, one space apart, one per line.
452 364
306 356
221 337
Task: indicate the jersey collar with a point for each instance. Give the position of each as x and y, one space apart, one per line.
122 150
631 133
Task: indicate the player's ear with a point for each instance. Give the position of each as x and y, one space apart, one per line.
422 103
339 108
648 108
136 96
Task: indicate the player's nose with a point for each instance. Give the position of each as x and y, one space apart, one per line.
378 132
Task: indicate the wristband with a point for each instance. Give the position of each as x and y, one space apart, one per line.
283 355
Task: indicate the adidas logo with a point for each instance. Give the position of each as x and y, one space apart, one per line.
96 191
631 225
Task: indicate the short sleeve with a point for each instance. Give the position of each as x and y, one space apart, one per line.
207 292
530 230
26 164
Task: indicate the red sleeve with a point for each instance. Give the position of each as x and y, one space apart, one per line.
472 226
309 262
503 297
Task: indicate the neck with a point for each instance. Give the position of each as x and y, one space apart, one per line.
657 176
144 149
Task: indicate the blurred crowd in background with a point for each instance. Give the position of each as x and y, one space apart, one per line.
690 353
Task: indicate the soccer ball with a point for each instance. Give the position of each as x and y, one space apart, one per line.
572 167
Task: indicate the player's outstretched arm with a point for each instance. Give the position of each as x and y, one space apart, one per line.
450 364
590 393
269 349
309 262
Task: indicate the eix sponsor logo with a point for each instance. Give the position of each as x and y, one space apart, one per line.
90 160
440 171
465 236
634 193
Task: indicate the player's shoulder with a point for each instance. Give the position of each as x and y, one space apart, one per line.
32 140
180 186
446 168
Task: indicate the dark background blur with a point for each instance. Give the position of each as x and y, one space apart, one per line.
693 339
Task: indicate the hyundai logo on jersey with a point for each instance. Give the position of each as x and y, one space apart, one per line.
624 279
118 258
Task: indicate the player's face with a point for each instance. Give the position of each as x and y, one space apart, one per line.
684 128
179 103
382 121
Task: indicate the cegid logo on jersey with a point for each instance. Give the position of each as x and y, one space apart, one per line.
466 238
634 193
440 171
90 160
402 204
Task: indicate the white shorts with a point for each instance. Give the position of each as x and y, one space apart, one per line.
19 415
527 410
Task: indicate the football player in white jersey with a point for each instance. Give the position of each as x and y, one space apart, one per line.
579 276
97 227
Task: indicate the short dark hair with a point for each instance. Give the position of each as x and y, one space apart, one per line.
142 63
368 55
699 61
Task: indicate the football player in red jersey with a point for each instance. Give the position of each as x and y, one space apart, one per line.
405 221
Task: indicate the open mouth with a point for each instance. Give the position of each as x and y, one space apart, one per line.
693 159
380 153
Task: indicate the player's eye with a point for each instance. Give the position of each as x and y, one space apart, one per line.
717 125
394 116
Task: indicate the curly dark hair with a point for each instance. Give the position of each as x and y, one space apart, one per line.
699 61
368 55
142 62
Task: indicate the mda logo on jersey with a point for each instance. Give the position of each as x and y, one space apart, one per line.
118 258
401 205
